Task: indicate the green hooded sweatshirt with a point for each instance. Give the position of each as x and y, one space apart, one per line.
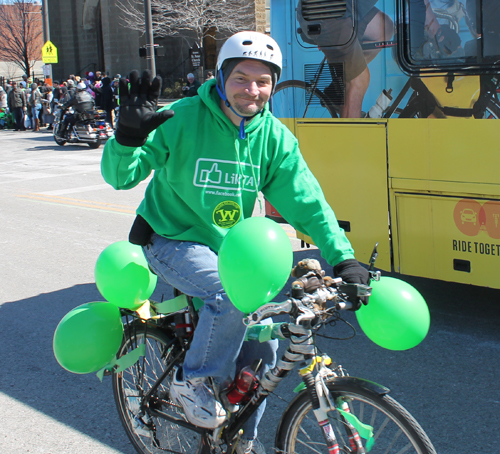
206 179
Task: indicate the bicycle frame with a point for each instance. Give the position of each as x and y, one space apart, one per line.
328 412
301 349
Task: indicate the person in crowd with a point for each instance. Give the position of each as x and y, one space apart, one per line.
35 102
28 115
116 99
48 115
226 130
71 90
56 92
191 88
3 99
106 98
24 83
17 105
210 75
4 110
88 84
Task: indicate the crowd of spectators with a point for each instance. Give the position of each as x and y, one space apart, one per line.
30 103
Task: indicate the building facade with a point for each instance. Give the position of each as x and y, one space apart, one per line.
90 36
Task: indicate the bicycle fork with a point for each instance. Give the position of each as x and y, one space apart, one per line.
322 404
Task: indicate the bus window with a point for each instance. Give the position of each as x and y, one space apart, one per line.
449 35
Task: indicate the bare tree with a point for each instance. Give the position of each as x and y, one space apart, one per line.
185 18
21 33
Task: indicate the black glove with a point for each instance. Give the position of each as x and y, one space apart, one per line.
353 273
138 116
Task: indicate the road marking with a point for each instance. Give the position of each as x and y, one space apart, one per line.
96 187
53 199
102 206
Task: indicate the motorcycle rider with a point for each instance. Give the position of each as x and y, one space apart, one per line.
81 101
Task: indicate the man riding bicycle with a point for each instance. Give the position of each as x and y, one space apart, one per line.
211 160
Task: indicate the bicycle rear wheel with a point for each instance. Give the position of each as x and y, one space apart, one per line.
394 429
298 99
148 433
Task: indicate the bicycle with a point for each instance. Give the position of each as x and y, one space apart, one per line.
318 98
332 413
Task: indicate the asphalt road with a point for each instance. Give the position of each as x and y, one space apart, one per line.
57 215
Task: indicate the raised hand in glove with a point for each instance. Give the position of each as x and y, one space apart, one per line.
352 272
138 115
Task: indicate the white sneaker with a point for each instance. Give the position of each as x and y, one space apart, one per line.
198 402
250 447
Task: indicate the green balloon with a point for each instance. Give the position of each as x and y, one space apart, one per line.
396 317
255 260
123 277
88 337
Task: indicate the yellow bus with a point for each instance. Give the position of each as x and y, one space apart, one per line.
393 103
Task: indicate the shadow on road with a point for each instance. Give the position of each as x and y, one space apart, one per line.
31 374
46 137
433 380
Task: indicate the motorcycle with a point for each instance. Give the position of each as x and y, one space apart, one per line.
90 128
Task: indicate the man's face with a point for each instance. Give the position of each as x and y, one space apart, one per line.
249 87
190 80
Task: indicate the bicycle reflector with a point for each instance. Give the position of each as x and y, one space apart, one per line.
396 317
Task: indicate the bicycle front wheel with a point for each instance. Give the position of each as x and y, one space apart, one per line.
394 429
148 433
299 99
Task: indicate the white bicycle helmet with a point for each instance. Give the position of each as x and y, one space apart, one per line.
254 45
242 46
81 86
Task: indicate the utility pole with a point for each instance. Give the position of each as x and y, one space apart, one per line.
150 51
45 18
46 29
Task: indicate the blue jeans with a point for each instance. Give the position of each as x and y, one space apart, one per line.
217 349
35 110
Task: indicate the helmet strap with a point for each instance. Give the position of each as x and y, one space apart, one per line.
222 94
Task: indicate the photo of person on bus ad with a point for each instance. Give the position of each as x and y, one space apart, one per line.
352 59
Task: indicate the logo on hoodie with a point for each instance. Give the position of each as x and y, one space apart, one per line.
227 214
226 175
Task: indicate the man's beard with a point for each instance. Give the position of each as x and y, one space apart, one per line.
241 106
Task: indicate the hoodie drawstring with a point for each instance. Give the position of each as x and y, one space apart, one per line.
255 185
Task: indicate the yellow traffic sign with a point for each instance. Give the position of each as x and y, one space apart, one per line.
49 53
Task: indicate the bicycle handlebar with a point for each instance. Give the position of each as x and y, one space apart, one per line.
306 307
